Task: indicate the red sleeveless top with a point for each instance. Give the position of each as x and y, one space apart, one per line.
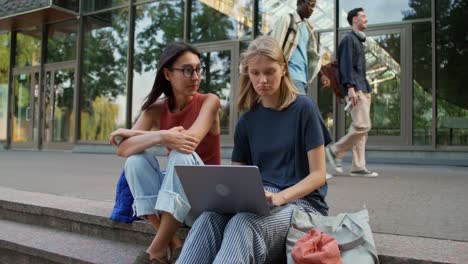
209 148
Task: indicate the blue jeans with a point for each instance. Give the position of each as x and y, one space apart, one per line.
302 86
154 192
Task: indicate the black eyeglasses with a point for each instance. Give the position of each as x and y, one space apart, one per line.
188 71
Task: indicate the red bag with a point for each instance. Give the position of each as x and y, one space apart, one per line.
316 248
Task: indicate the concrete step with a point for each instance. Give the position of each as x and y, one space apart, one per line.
70 214
397 249
46 215
24 243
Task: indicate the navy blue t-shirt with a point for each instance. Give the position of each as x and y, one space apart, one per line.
278 141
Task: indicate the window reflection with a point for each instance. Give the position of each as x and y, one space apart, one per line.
214 20
95 5
103 94
322 18
59 90
395 10
28 48
152 33
452 46
68 4
5 58
325 95
61 42
422 84
384 75
217 80
25 107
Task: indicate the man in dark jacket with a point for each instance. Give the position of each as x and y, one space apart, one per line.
356 88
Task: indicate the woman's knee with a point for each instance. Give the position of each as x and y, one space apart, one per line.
136 161
208 218
178 158
142 159
244 220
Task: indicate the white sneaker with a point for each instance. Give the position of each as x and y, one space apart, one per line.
364 173
334 161
328 176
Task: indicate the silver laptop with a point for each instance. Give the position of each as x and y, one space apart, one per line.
223 188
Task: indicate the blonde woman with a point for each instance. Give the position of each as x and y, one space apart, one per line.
283 134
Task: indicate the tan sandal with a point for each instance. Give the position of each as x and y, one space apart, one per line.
144 258
175 254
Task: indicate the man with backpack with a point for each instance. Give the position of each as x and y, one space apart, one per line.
295 34
356 89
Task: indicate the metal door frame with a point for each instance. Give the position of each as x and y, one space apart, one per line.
406 87
233 47
53 67
34 143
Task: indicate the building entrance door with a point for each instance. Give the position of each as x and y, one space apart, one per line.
55 110
25 115
58 106
388 63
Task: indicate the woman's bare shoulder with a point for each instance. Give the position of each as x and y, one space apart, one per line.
153 112
210 98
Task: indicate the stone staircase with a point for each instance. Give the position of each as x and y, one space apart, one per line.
44 228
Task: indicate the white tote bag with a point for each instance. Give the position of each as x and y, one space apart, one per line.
351 231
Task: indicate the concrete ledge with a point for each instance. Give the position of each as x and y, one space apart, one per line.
444 158
73 215
35 243
91 218
16 256
374 154
395 249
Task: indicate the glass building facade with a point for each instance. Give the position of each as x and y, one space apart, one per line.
72 71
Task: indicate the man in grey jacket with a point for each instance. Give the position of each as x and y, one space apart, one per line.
299 45
356 88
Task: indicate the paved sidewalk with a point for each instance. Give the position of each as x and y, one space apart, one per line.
421 201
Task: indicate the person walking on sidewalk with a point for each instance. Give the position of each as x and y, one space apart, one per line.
295 35
184 121
356 88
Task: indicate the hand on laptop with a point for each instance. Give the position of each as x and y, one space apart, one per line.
274 198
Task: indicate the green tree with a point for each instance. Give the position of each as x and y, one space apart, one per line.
5 57
211 25
452 48
208 25
161 30
105 71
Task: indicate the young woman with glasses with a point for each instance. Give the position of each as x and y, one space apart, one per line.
184 121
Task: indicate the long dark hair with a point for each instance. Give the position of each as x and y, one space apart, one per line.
161 85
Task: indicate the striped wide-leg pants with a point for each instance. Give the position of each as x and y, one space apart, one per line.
239 238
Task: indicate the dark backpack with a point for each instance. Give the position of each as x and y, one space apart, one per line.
331 71
290 29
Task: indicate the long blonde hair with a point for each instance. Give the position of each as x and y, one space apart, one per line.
268 47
